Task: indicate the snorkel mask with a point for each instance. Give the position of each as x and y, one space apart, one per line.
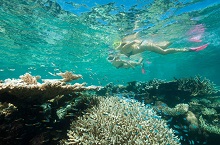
116 44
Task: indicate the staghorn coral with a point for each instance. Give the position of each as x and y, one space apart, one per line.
69 76
120 121
197 86
208 127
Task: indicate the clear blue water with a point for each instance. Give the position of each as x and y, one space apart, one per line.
44 37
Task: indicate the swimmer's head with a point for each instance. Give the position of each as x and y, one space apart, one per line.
116 44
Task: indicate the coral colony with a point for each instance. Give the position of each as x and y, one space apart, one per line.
182 111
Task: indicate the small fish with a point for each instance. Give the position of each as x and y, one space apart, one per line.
169 120
55 138
37 124
49 127
177 127
45 140
148 62
11 69
52 74
177 132
181 137
45 120
28 124
185 130
59 131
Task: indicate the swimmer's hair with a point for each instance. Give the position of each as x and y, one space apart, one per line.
116 44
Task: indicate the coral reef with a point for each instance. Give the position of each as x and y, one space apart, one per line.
27 88
178 87
120 121
43 110
41 113
34 123
180 102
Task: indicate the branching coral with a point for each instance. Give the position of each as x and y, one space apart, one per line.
179 109
208 127
209 111
29 79
120 121
196 86
69 76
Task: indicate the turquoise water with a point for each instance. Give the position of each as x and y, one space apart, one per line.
45 37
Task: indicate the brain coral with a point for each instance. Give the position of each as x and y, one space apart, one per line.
120 121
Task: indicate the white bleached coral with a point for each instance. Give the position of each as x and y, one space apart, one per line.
120 121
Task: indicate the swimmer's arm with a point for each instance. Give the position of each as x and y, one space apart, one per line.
129 44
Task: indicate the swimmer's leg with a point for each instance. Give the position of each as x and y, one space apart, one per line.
163 44
159 50
140 60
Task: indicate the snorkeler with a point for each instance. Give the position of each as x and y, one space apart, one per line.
130 45
120 63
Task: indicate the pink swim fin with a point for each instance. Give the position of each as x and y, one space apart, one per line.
199 47
143 71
